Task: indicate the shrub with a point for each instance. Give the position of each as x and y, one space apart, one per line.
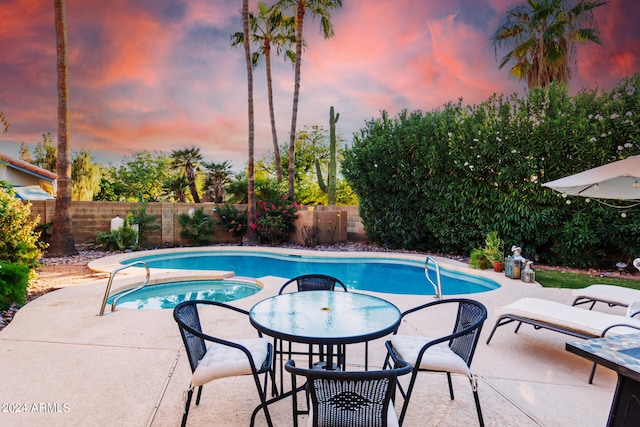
275 220
197 228
18 232
145 223
310 234
123 238
441 180
14 279
232 220
478 259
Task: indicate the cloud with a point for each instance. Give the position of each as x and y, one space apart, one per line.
161 75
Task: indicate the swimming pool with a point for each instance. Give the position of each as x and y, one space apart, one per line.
386 274
170 294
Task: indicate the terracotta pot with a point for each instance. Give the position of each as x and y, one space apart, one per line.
498 266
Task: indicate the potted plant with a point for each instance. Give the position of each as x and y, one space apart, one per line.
478 259
494 251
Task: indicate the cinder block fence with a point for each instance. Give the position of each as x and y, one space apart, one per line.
334 223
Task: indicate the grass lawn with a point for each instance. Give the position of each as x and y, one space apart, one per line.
565 279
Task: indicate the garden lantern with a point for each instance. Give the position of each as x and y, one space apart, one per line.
528 275
513 263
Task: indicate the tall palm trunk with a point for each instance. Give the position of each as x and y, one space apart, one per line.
191 177
302 7
251 236
274 134
4 123
61 238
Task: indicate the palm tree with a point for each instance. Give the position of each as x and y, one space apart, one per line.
251 236
4 123
217 177
544 34
269 28
319 9
189 160
175 187
62 242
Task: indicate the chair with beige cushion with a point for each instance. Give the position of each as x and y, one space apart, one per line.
221 358
452 353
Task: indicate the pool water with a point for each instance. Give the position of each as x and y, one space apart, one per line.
385 275
168 295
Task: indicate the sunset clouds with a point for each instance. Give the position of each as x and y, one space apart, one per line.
162 75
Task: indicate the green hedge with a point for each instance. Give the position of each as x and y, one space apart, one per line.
18 236
14 279
442 180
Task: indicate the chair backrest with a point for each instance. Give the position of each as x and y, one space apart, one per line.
469 320
356 398
186 315
314 282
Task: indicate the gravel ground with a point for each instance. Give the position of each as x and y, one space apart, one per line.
56 273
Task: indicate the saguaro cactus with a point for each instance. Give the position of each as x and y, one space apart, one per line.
330 186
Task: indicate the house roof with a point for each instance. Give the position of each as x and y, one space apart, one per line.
29 168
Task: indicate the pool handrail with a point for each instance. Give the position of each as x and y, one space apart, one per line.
437 287
108 289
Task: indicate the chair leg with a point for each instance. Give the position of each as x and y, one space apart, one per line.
407 395
477 399
450 385
199 394
263 402
186 407
593 372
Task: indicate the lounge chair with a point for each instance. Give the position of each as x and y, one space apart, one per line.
563 318
609 294
566 319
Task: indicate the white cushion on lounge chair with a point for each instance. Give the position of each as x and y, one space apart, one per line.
609 293
568 317
633 308
436 358
223 361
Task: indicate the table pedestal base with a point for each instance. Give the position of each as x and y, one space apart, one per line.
625 409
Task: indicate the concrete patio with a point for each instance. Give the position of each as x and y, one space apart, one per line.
63 365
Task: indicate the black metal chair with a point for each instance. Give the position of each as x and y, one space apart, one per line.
356 398
221 358
452 353
314 282
308 282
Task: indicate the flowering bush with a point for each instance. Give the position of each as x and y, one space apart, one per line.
274 220
232 220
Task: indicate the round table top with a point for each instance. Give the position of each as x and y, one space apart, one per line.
325 317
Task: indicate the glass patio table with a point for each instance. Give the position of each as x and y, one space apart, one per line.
325 318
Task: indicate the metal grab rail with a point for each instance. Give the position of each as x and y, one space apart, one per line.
113 273
436 286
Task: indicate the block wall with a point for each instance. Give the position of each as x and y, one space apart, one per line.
335 223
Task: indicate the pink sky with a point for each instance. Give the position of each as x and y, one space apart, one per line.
161 74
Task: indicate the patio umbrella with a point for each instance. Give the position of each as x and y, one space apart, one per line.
618 180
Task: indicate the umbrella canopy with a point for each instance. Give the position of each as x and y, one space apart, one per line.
618 180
